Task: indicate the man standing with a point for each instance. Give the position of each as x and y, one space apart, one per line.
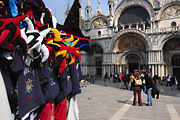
149 84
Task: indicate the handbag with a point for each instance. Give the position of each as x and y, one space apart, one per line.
138 82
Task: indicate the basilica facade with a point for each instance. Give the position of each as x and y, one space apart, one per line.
134 34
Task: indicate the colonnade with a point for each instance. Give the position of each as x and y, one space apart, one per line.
156 69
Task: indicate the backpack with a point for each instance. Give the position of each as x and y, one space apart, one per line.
138 82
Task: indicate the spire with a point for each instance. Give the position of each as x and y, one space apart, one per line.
98 7
88 3
68 8
110 7
115 3
82 16
88 9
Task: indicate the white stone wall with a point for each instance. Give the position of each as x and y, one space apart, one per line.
167 23
154 40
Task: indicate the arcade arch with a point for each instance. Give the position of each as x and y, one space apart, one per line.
95 58
131 52
171 56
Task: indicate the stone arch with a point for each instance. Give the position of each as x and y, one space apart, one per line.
95 59
169 37
165 7
127 53
170 46
130 3
97 43
98 17
131 31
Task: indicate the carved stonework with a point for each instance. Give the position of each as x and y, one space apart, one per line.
99 23
171 12
130 31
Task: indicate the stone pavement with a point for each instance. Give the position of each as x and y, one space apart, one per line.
98 102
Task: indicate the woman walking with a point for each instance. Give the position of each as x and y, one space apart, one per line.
137 90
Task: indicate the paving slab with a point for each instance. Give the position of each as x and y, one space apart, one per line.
98 102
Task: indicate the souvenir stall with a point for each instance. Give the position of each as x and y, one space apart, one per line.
39 62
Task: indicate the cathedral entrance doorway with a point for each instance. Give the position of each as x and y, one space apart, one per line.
132 67
133 61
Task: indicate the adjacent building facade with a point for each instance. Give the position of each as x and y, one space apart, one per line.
134 34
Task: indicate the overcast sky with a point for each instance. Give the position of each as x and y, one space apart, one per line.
58 7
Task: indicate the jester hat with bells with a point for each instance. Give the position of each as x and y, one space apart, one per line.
62 51
34 39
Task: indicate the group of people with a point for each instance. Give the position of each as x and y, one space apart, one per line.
137 83
169 81
144 83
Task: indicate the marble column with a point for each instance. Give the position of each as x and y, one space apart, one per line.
152 56
104 71
159 55
144 26
149 57
123 26
137 24
152 70
120 67
109 69
162 70
159 70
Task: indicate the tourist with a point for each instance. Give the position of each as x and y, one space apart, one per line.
131 80
106 78
125 80
111 76
149 84
115 79
168 80
137 90
173 82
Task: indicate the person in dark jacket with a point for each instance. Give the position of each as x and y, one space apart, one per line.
149 84
173 82
137 89
155 91
106 78
125 80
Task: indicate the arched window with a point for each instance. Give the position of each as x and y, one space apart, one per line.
134 15
110 8
173 24
176 60
95 49
99 23
99 33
